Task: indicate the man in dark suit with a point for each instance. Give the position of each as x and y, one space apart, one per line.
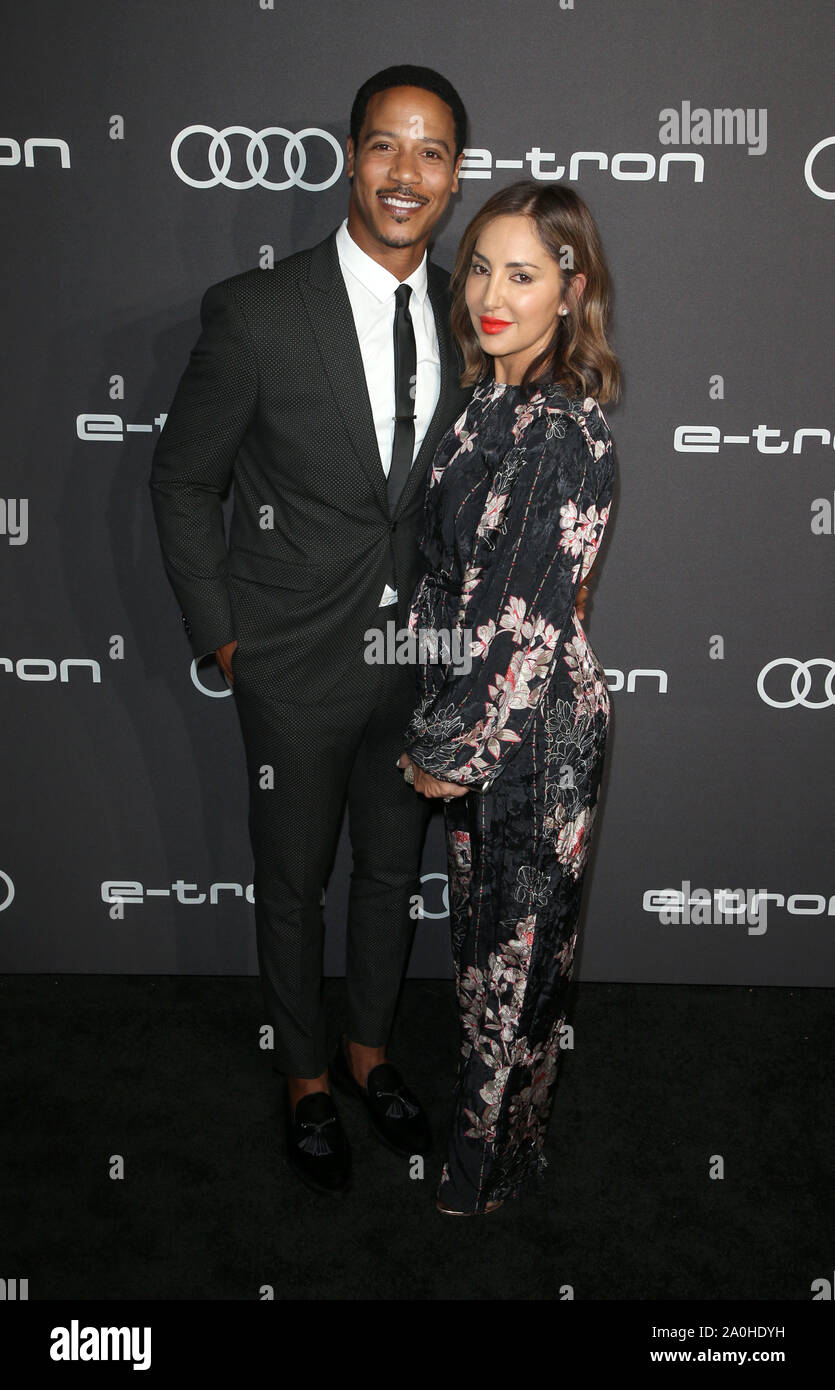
321 388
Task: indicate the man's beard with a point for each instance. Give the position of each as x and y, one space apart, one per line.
404 240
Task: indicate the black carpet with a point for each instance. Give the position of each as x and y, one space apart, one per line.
167 1073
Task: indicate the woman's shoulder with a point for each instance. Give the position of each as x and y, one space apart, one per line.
583 412
556 398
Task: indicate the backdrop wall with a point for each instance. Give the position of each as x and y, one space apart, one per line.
712 607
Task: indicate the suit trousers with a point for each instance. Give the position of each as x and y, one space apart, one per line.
306 762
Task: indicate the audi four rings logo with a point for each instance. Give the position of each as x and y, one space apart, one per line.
257 157
800 684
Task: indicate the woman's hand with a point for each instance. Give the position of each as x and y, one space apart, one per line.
428 785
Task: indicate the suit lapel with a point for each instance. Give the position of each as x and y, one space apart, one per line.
332 319
326 299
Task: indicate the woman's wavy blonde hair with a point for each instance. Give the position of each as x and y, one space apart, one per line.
578 357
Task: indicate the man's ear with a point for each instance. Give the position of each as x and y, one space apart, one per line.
350 155
459 161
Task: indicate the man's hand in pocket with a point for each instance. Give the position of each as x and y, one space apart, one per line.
224 659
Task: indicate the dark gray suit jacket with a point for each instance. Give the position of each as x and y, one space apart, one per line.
274 398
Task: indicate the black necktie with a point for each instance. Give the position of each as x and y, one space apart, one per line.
405 379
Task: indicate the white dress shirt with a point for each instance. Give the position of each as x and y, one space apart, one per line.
371 291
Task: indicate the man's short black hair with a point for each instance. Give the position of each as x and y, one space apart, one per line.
410 75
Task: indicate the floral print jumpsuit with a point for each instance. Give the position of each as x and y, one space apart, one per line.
516 505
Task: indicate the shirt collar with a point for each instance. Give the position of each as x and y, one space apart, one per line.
379 281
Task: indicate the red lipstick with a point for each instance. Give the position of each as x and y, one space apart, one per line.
490 325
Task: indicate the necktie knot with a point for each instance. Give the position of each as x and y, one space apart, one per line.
401 295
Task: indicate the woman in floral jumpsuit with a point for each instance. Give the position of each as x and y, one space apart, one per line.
516 506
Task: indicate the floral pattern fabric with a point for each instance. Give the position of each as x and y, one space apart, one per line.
516 505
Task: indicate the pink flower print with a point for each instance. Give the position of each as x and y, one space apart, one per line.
572 524
510 690
494 510
540 631
590 689
461 857
524 415
573 841
525 933
581 528
486 632
513 617
537 659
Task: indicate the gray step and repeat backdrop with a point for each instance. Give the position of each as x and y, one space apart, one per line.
703 137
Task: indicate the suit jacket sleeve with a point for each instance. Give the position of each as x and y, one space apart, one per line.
192 466
540 531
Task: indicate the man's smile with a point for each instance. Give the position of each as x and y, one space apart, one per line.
401 205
